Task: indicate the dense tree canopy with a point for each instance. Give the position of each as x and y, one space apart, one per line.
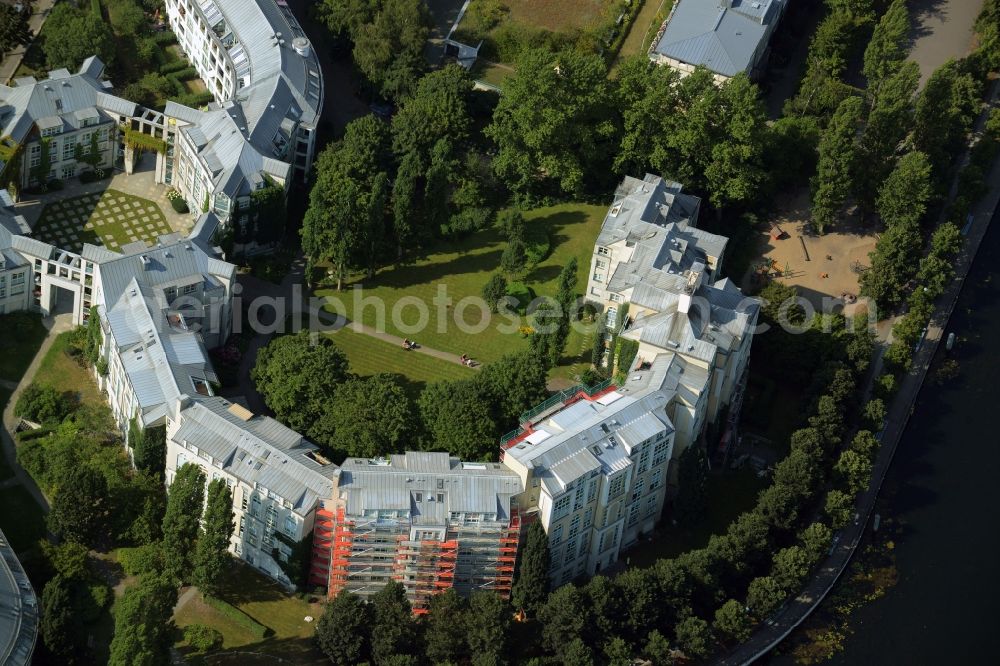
143 625
390 49
342 632
553 125
457 417
439 109
211 556
14 30
72 35
904 195
836 165
888 46
532 582
367 417
181 521
81 510
297 375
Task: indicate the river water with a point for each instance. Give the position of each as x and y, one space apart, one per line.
942 490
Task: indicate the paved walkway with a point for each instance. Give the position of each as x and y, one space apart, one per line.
13 60
942 29
59 324
779 626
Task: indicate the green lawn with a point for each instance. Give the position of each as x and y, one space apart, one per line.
62 371
369 356
269 604
21 519
23 334
461 269
110 218
729 494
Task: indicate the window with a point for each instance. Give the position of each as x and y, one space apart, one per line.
255 507
289 526
561 507
69 146
440 497
578 497
600 263
244 504
660 453
655 479
190 288
418 497
598 277
644 460
181 459
604 252
556 537
36 154
633 513
651 505
617 486
574 526
615 298
637 487
588 518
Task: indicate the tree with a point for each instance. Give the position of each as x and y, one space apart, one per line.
764 595
732 621
838 507
835 166
367 417
736 174
904 195
494 291
486 628
514 260
532 584
576 652
337 226
693 636
59 621
800 471
73 35
828 422
553 123
816 540
68 559
647 94
14 29
888 46
657 649
944 113
181 520
81 507
791 565
298 375
458 417
389 50
855 470
618 652
211 557
889 121
692 479
894 262
149 448
143 625
445 628
821 90
345 17
342 632
439 109
604 599
392 629
514 384
43 403
562 616
875 413
437 188
407 211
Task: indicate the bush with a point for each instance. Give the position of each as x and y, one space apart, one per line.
236 615
141 559
29 435
627 349
179 205
43 404
202 638
165 38
494 290
521 293
536 238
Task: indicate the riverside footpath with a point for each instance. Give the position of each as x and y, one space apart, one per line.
778 627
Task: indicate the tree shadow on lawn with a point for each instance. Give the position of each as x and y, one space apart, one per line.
408 276
244 584
542 274
268 651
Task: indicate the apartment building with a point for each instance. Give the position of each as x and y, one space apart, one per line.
593 466
427 520
279 481
693 330
726 36
257 62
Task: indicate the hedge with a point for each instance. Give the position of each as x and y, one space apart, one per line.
179 205
165 38
28 435
536 238
256 629
173 66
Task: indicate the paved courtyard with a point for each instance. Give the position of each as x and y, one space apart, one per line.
111 218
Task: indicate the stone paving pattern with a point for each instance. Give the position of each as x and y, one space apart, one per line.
110 218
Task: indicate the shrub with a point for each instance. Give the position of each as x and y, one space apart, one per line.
202 638
179 205
141 559
494 290
627 349
173 66
538 244
256 629
521 293
43 404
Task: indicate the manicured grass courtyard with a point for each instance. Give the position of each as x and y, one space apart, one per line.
22 335
290 636
369 356
110 218
61 370
460 269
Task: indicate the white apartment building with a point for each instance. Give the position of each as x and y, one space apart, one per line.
593 466
691 327
278 479
62 112
257 62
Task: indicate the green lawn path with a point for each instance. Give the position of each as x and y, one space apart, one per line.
110 218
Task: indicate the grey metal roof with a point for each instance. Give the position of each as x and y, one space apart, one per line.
722 35
257 451
56 101
398 483
19 619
